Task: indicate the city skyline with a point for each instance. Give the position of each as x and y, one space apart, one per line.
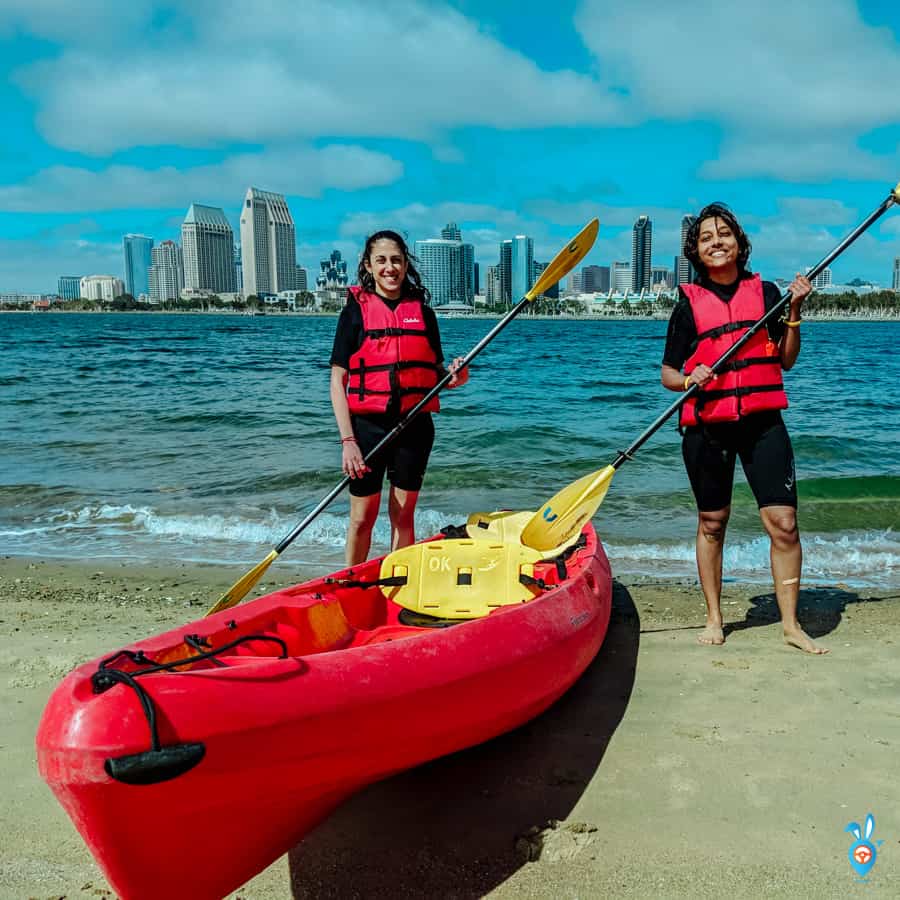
801 145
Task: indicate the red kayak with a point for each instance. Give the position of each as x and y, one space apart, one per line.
192 760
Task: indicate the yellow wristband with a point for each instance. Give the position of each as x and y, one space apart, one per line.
687 382
792 324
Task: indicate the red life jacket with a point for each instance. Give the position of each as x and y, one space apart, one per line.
396 358
749 382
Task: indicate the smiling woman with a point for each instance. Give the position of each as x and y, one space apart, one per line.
737 411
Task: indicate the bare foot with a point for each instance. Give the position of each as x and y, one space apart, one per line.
802 641
711 634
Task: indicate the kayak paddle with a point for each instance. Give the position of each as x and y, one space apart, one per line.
562 263
562 518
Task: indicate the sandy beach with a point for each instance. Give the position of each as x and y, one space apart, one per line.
669 770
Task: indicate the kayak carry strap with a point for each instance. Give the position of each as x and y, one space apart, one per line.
158 763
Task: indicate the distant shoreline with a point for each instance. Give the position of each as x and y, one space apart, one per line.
844 317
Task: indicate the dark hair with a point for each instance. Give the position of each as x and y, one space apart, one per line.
412 284
716 211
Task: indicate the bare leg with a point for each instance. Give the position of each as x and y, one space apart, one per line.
710 540
363 513
787 560
402 510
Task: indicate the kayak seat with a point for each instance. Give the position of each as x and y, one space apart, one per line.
461 578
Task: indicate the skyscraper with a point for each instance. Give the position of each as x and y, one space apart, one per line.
641 249
896 281
684 271
238 269
268 243
521 267
505 266
207 242
332 272
595 279
68 287
447 267
166 272
137 249
621 277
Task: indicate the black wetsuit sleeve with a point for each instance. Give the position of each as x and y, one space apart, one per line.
681 335
771 297
349 335
433 332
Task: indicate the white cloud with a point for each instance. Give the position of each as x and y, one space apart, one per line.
24 263
303 171
260 72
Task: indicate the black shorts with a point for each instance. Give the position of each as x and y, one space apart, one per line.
404 459
764 447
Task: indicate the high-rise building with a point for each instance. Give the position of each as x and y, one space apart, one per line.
301 279
166 272
238 269
521 267
447 267
895 283
576 283
641 250
137 249
101 287
332 272
552 292
68 287
684 271
595 279
620 277
207 242
477 275
268 243
493 293
822 280
505 266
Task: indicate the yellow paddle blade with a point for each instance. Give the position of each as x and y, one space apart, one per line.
242 586
560 521
460 579
566 259
504 526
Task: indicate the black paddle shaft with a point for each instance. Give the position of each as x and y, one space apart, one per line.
892 198
392 434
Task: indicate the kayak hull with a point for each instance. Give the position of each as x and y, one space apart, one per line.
359 696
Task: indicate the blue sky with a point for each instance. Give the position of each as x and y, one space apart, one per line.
506 117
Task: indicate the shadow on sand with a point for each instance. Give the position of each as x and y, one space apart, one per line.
461 825
818 609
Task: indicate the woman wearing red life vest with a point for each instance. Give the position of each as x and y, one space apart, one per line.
387 355
737 413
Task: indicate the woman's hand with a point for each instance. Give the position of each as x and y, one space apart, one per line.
352 462
800 289
458 376
701 375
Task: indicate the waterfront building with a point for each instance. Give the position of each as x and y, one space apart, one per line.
477 271
661 277
166 272
684 271
268 243
552 292
594 279
620 277
822 280
641 250
447 267
137 249
207 242
332 272
301 279
521 266
895 283
238 270
576 283
505 266
493 293
101 287
68 287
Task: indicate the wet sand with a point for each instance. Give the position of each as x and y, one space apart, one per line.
669 770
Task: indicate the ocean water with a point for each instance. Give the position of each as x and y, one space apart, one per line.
208 437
